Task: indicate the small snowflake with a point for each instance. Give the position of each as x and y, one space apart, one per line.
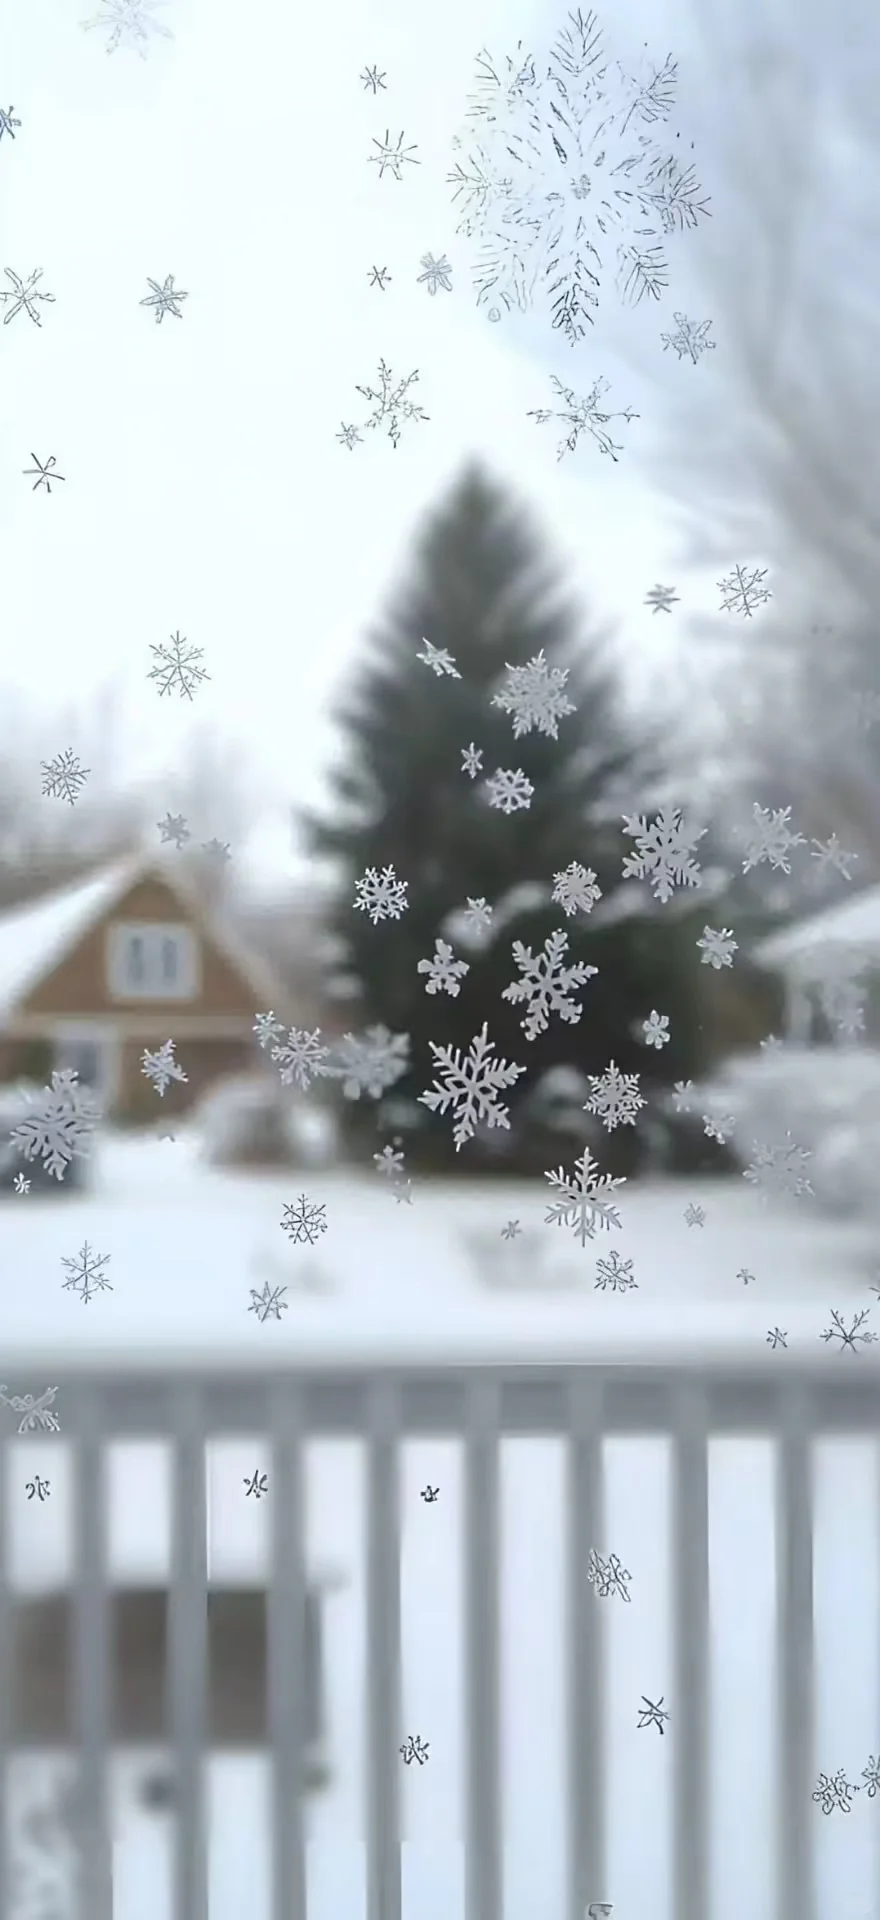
390 1163
608 1577
546 983
662 599
717 947
615 1097
445 973
830 853
373 79
583 1202
694 1216
719 1127
86 1272
267 1029
871 1776
777 1167
370 1062
664 852
746 1275
777 1338
304 1219
741 591
391 408
161 1066
268 1302
477 918
174 827
834 1792
855 1335
390 159
24 296
130 22
437 273
682 1095
472 760
301 1058
535 696
381 896
510 1230
615 1273
472 1083
582 414
164 299
439 661
771 839
64 776
655 1030
177 666
20 1184
509 790
691 338
575 889
349 437
8 123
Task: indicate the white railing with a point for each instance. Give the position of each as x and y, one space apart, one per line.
479 1406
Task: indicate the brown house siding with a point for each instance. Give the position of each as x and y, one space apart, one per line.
203 1062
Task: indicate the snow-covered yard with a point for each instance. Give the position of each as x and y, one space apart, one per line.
186 1246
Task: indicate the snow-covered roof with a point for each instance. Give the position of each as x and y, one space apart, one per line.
853 923
36 936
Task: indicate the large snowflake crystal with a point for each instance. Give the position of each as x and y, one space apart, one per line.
301 1058
535 696
583 1202
614 1097
381 895
369 1062
471 1087
664 852
59 1124
777 1167
545 984
771 839
569 179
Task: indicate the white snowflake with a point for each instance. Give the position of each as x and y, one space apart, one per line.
777 1167
583 1202
771 839
535 695
439 661
477 919
742 591
20 1184
545 984
161 1066
130 22
830 853
695 1216
267 1029
59 1124
301 1058
177 665
391 407
390 1163
664 851
471 1086
615 1097
174 828
583 413
64 776
719 1127
304 1219
717 947
682 1095
382 896
444 972
690 337
575 889
661 599
655 1030
369 1062
472 760
509 790
86 1270
615 1273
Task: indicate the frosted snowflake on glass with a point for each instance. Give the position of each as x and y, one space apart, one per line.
664 852
583 1203
655 1030
436 273
369 1062
719 1127
391 156
301 1058
742 591
509 790
567 179
86 1272
614 1097
690 338
535 695
471 761
177 665
575 889
304 1219
717 947
771 839
546 983
471 1084
444 972
694 1216
614 1272
392 408
268 1303
777 1168
682 1096
130 24
439 661
64 777
475 923
59 1124
582 414
381 896
829 854
161 1067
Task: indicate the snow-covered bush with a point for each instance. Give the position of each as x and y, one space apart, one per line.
827 1098
252 1119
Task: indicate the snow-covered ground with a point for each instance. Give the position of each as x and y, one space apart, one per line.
186 1246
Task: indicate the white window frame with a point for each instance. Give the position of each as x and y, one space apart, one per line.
154 986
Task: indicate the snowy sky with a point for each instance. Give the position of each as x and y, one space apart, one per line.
204 488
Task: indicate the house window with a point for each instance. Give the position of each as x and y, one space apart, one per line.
152 962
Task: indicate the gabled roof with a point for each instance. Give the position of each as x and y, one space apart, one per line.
36 937
852 923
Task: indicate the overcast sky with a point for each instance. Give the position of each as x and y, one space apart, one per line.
204 487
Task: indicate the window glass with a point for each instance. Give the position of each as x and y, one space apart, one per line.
136 964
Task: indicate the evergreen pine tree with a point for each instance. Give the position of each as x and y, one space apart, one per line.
482 587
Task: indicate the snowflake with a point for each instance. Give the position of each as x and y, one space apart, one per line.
615 1097
694 1216
834 1792
777 1168
870 1774
564 184
615 1273
472 760
661 599
390 403
583 1202
86 1272
174 827
130 22
830 853
390 1163
575 888
509 790
443 970
477 918
608 1577
373 79
20 1184
268 1301
777 1338
36 1413
545 984
690 337
370 1062
8 123
439 661
217 851
437 273
177 666
717 947
301 1058
349 436
24 296
390 159
267 1029
64 776
856 1335
45 471
511 1230
746 1275
535 695
741 591
304 1219
161 1066
59 1125
382 896
471 1086
164 299
664 852
719 1127
771 839
582 414
655 1030
682 1095
379 277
